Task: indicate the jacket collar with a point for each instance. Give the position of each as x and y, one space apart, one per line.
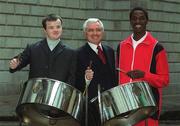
147 40
105 50
56 51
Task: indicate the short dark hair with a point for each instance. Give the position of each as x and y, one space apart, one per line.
50 17
141 9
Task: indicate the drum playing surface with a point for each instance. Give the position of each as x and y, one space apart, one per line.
126 104
49 102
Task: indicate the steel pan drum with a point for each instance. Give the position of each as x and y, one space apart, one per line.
126 105
49 102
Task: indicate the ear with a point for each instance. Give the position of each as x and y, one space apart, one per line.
85 34
44 31
104 34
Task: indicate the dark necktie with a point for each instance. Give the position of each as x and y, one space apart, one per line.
101 55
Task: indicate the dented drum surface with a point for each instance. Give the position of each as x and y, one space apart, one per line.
47 102
126 104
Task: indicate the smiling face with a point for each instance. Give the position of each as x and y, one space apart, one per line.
138 22
94 33
53 29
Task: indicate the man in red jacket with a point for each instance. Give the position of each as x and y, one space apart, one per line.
143 59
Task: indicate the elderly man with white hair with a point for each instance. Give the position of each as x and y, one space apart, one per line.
98 62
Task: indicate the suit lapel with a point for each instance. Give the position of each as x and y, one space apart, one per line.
44 46
108 56
91 51
58 49
88 49
91 55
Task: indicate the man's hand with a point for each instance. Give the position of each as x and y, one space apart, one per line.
14 63
89 73
136 74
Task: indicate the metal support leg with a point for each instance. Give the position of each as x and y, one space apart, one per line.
146 122
100 105
20 123
86 108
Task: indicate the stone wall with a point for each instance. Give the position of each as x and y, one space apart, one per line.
20 24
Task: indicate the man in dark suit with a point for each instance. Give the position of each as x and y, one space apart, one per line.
49 57
97 61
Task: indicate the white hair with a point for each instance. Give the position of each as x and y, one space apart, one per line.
90 21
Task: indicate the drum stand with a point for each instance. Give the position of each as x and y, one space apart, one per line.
20 124
86 108
100 105
146 122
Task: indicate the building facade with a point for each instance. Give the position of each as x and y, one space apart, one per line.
20 24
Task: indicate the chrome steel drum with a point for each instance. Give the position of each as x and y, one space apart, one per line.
49 102
126 105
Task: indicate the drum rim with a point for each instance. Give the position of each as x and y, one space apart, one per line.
46 78
19 110
124 84
30 105
120 85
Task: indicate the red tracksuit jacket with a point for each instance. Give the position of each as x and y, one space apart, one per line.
150 57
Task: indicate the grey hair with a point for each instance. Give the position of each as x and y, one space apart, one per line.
90 21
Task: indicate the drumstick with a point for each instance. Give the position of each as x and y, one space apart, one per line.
87 84
90 65
121 70
19 58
